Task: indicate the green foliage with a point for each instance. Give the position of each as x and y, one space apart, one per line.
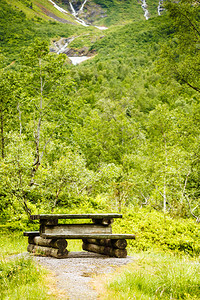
180 57
157 277
21 31
20 277
155 231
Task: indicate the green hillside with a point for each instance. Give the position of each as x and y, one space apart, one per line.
40 9
119 12
111 133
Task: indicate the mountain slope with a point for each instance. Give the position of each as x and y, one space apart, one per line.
41 9
105 12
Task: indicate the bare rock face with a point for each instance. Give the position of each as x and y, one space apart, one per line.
80 52
62 46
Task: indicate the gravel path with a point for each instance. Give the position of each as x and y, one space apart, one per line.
75 274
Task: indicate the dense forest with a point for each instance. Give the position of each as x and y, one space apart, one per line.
120 130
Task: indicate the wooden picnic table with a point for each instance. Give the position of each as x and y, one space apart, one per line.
96 234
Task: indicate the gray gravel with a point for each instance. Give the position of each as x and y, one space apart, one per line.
75 274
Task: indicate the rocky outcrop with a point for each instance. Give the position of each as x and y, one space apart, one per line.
62 46
79 52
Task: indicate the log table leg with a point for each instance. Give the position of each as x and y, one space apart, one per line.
48 247
38 240
118 244
47 251
115 248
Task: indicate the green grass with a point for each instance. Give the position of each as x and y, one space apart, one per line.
21 277
12 243
157 276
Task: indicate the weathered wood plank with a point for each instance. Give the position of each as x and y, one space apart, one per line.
71 229
89 236
74 216
47 251
31 233
119 253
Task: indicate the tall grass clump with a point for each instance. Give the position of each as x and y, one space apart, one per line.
22 279
12 243
158 277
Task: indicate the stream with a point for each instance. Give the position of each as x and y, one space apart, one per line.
160 7
78 59
144 7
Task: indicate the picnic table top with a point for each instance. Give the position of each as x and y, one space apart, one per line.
74 216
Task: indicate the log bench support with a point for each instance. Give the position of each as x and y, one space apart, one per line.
115 248
113 245
46 247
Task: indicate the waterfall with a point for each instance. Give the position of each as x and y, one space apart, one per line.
58 7
61 50
101 27
160 7
74 13
61 45
82 6
144 7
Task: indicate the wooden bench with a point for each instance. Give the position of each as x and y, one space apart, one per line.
97 235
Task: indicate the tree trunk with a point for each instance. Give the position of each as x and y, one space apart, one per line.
2 135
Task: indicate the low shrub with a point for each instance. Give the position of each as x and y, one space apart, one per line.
156 231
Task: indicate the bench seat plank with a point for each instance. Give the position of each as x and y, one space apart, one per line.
89 236
74 216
